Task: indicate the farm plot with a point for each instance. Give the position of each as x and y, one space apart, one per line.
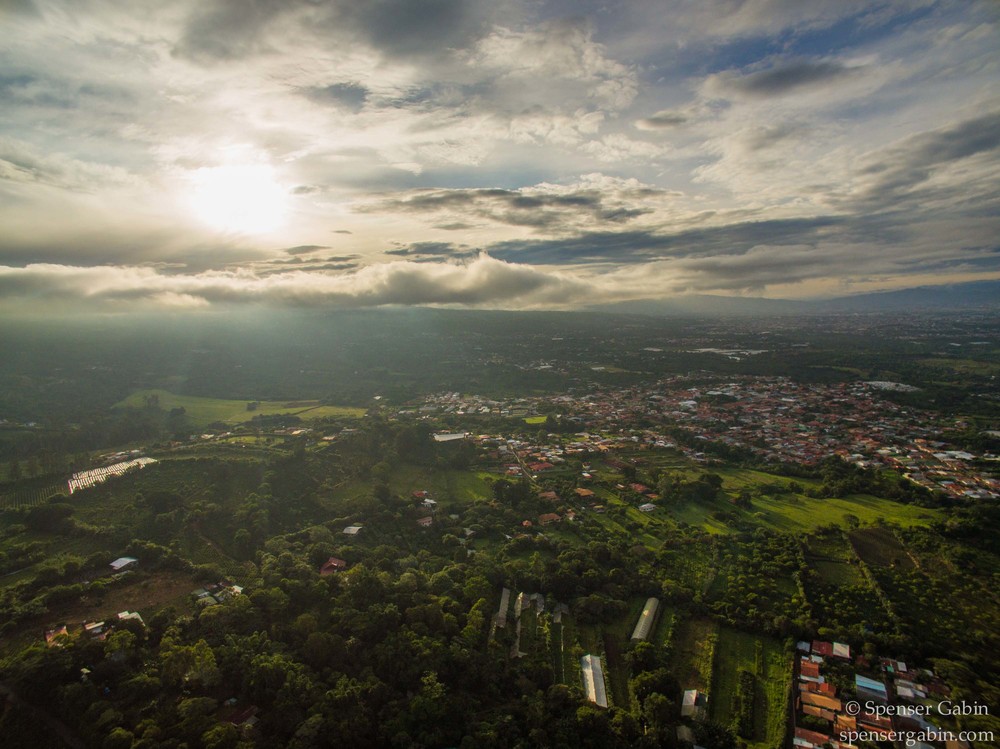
838 592
693 653
750 678
879 547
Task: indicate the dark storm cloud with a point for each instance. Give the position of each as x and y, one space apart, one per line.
350 96
18 7
897 171
236 29
229 29
664 120
433 250
403 28
644 246
782 79
303 249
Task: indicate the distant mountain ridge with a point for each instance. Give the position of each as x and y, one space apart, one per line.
961 296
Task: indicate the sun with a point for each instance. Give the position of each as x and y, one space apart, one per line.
244 199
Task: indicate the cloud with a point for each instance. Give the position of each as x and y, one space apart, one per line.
483 281
237 29
351 96
783 78
925 160
304 249
621 247
665 119
595 199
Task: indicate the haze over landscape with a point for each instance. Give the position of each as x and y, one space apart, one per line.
500 154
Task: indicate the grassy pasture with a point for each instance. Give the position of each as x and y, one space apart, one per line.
202 411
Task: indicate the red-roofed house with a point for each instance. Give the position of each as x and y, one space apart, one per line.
813 737
331 565
822 648
810 669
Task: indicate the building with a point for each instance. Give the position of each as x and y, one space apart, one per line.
648 507
352 530
331 565
694 704
593 680
870 688
55 637
549 517
124 563
647 619
131 616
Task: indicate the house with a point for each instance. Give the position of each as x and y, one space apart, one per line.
870 688
549 517
425 522
583 493
124 563
540 466
450 436
694 704
648 507
134 616
806 738
822 648
821 701
840 650
331 565
54 637
549 496
352 530
245 718
421 494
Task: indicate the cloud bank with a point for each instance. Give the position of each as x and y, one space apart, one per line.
607 145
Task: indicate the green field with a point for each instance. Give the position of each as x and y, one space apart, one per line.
771 667
204 411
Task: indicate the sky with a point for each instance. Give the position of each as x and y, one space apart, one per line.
492 153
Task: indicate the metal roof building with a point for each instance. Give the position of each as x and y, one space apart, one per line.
593 680
646 620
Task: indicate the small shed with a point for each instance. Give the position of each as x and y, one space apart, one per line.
124 563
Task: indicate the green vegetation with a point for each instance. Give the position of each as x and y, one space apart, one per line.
201 412
750 679
397 649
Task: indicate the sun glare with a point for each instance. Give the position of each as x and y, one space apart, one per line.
245 199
